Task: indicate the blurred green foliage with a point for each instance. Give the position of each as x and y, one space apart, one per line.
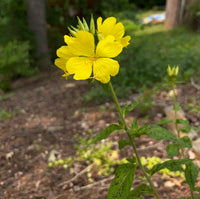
194 11
15 40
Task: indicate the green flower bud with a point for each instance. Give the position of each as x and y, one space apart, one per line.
172 72
72 32
92 25
86 28
82 25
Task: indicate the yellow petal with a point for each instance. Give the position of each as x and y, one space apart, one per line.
64 52
81 67
68 39
125 41
118 31
106 28
82 44
108 47
103 68
61 63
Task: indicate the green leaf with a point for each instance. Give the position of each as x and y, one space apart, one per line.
172 150
185 142
191 174
123 143
120 124
134 125
197 189
178 106
131 160
172 165
159 133
105 133
128 107
164 121
187 128
139 191
121 185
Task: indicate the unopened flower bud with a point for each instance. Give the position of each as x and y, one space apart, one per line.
92 25
172 72
82 25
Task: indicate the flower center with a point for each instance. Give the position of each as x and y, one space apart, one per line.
94 58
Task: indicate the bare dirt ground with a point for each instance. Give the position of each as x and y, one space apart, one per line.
51 113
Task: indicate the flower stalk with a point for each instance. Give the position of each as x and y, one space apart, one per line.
132 142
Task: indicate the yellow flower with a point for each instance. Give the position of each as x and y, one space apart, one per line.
110 27
81 58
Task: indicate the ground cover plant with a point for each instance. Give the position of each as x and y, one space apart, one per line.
87 59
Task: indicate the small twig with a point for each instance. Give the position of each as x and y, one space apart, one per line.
94 184
76 176
194 84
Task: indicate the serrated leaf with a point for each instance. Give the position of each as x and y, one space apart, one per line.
186 123
128 107
172 165
123 143
121 185
105 133
139 191
191 174
164 121
185 142
172 150
159 133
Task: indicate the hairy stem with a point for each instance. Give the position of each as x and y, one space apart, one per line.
132 142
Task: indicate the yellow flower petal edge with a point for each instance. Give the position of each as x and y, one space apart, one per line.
110 27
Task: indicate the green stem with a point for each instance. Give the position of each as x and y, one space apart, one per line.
132 142
176 124
178 130
192 194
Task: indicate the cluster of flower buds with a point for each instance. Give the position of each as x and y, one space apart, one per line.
82 25
172 72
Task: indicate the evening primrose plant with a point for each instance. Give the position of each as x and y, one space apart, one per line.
90 54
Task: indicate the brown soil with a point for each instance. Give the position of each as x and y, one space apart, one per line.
50 112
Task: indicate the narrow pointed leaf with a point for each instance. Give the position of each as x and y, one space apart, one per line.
105 133
121 185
